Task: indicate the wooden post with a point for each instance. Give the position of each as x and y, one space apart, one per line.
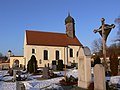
65 73
66 60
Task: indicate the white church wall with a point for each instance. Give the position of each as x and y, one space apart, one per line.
51 54
39 53
73 59
19 58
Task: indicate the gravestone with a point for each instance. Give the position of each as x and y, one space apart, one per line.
14 75
46 72
20 85
54 67
99 77
84 67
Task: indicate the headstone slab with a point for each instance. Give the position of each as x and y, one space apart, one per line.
87 51
54 67
99 77
46 73
84 68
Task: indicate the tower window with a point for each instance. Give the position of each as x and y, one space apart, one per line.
57 55
45 55
71 52
33 51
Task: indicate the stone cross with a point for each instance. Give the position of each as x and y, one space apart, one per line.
104 31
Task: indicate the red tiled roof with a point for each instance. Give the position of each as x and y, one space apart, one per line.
16 56
6 61
50 39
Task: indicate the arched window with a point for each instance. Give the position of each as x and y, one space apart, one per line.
57 55
33 51
71 52
16 63
45 54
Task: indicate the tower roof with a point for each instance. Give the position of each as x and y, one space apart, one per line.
9 51
69 19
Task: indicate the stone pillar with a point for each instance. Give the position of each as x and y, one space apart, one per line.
99 77
84 68
20 85
14 75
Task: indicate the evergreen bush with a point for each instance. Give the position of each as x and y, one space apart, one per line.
97 60
32 65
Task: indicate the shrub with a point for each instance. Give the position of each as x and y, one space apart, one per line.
114 64
97 60
32 65
69 81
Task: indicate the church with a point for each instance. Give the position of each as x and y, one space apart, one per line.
49 46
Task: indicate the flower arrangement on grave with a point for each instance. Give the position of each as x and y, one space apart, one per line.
69 81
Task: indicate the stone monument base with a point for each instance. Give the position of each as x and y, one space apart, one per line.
83 84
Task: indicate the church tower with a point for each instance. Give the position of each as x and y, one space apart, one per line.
9 54
70 28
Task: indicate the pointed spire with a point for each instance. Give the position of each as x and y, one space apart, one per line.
69 19
68 13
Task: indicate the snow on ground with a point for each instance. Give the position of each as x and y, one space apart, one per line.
7 78
7 85
69 72
115 79
4 72
38 85
74 73
34 84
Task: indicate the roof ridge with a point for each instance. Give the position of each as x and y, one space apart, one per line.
45 32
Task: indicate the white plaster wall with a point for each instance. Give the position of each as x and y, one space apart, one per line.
20 58
75 50
51 53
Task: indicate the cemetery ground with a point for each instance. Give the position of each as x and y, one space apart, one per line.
36 82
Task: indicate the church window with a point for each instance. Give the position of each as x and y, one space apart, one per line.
77 53
71 52
40 61
33 51
57 55
45 55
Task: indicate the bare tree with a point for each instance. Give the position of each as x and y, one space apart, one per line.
1 54
113 49
117 21
97 46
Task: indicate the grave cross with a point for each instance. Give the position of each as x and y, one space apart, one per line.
104 31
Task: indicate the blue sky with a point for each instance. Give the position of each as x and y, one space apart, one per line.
16 16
